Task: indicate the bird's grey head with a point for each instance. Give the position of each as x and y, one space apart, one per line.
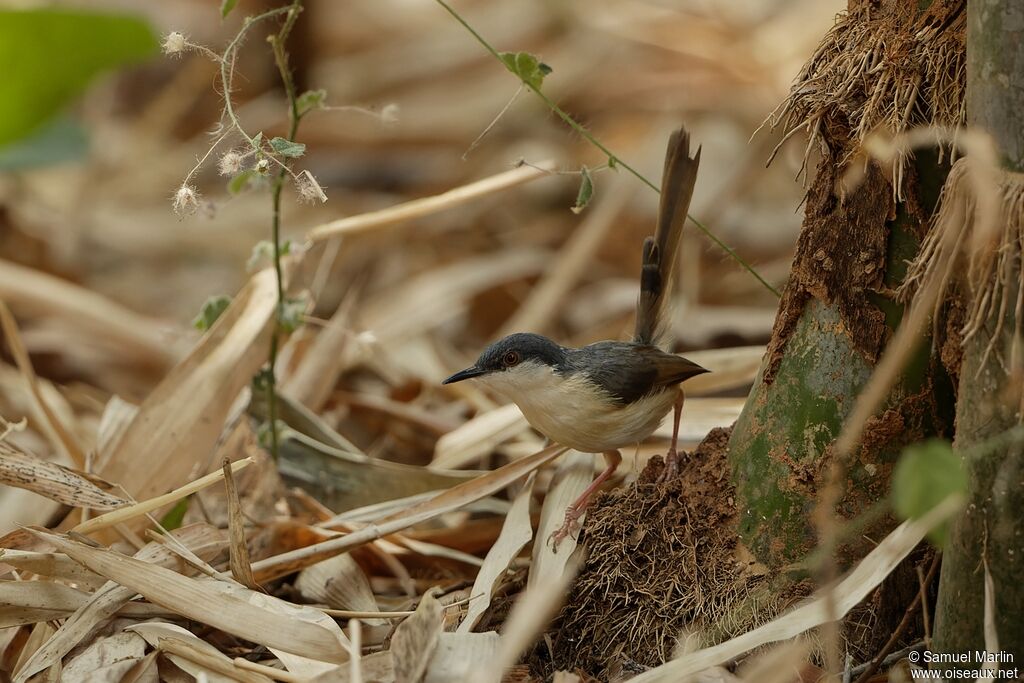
517 358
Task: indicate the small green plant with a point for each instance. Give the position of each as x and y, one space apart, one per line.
253 160
926 474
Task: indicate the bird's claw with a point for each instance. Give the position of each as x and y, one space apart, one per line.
671 470
570 525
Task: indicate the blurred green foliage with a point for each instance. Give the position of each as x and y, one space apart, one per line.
926 474
49 57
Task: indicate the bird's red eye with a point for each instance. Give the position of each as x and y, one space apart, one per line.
511 358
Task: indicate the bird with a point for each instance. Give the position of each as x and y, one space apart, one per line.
611 394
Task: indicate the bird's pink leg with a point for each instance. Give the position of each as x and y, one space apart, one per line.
672 456
612 460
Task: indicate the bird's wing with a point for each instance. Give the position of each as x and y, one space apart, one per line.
629 371
659 254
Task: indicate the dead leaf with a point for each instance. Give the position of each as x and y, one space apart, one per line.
458 655
53 481
415 640
105 660
196 600
452 499
516 532
241 568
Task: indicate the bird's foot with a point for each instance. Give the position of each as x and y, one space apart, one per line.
570 525
671 470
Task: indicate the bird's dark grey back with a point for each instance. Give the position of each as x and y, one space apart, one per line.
617 367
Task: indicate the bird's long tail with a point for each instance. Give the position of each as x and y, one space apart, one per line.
659 255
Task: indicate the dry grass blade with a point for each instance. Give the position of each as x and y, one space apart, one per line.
241 568
298 664
427 549
730 368
339 583
441 294
180 421
429 205
572 261
347 480
415 640
575 473
192 654
204 540
458 655
54 481
780 664
41 633
62 437
130 512
516 532
871 571
51 565
144 670
29 602
531 613
991 634
477 437
135 335
105 660
331 352
197 601
117 415
376 668
452 499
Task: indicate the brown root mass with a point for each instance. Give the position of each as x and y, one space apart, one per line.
661 557
979 225
883 65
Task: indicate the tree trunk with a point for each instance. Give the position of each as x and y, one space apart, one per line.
988 533
832 326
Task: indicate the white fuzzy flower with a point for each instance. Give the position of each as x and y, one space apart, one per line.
174 43
262 166
230 163
186 200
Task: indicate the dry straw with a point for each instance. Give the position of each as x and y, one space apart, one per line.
871 72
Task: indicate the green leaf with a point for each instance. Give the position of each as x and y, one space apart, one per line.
586 192
211 310
926 474
61 141
525 65
310 100
176 515
257 141
290 314
287 147
226 6
51 55
263 252
241 181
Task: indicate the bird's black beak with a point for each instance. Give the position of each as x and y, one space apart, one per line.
468 373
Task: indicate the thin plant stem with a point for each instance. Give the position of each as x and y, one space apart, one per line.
227 65
281 58
613 159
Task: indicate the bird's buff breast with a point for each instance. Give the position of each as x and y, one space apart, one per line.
576 413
